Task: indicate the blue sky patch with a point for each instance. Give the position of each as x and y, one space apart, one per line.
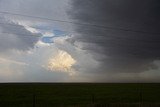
47 39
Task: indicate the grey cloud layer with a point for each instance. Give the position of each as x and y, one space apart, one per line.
48 9
13 36
125 51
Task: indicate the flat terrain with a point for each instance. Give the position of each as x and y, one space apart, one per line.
79 95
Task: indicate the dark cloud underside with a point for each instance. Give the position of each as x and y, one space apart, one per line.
125 51
15 37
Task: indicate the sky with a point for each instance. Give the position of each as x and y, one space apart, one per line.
79 41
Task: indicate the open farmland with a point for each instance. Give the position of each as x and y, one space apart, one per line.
79 95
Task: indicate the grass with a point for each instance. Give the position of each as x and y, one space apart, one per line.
79 95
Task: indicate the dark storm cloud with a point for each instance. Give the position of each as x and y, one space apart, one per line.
126 51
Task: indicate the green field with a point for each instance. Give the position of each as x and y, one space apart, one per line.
79 95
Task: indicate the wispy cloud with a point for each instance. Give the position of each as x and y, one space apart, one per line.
9 61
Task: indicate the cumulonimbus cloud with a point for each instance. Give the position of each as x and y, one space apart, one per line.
62 62
124 50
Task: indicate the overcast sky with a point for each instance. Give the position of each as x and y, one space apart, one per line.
79 41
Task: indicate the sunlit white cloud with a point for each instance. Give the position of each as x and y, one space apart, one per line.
32 30
52 59
42 44
63 62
